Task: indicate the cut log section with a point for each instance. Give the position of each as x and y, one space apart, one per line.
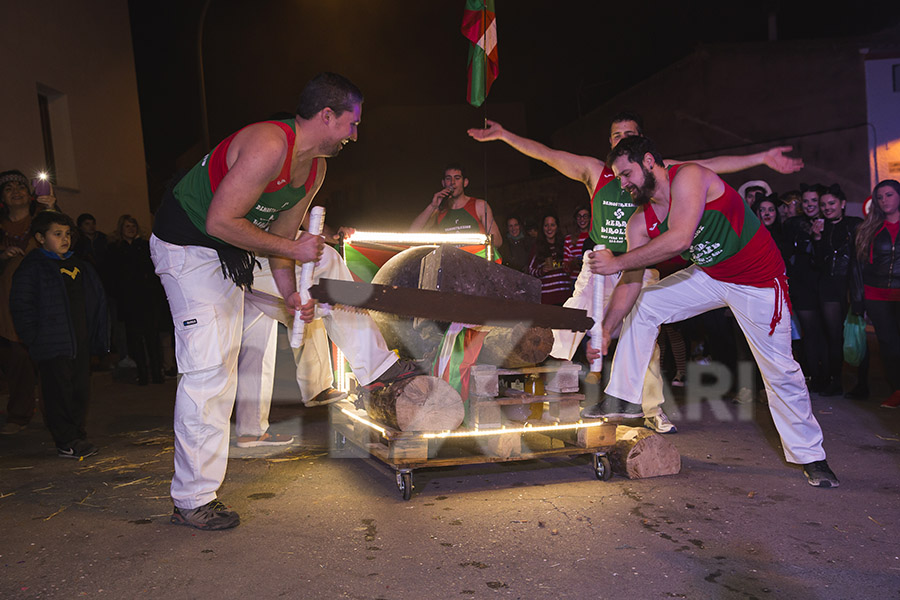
519 346
420 403
641 453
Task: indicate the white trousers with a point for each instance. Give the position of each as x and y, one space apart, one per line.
355 333
691 292
566 342
207 311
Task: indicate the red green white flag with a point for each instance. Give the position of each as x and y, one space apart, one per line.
479 26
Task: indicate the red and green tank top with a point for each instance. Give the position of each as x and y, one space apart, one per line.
460 220
465 220
729 244
195 190
611 207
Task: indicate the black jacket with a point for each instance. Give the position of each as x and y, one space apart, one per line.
837 245
41 311
880 268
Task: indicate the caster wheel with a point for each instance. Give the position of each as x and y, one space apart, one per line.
404 484
602 468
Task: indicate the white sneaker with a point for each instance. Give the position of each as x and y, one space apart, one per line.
266 439
744 396
660 424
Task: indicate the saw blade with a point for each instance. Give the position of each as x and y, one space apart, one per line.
449 306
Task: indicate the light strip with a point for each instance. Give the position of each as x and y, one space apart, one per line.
526 429
366 422
418 238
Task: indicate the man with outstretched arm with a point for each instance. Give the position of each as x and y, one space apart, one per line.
611 207
687 209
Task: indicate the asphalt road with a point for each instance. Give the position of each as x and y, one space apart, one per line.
737 522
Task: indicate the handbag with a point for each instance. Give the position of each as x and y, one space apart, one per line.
854 339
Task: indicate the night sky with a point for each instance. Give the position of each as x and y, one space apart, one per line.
558 59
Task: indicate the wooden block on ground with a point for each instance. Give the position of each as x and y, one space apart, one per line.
641 453
409 449
567 410
601 435
483 381
484 412
565 379
504 445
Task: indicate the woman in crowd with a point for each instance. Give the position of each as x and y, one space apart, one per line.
767 211
17 206
879 289
517 246
803 277
547 263
834 245
136 289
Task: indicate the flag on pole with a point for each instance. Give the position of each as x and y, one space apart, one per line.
479 26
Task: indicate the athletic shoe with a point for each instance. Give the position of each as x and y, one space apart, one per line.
660 424
402 369
328 396
266 439
819 475
11 429
78 449
743 396
893 401
211 516
612 408
678 380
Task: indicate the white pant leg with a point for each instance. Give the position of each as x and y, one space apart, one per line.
207 311
679 296
801 435
355 333
566 342
313 359
256 371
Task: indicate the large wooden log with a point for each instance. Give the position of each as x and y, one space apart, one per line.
513 347
420 403
450 269
641 453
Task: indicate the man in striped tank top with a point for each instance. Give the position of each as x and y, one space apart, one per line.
688 210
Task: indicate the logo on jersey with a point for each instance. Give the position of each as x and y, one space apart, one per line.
280 181
73 273
652 227
619 213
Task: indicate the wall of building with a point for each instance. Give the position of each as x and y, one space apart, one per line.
80 56
740 99
883 104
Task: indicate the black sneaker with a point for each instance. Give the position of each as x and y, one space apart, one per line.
402 369
211 516
820 475
79 449
613 409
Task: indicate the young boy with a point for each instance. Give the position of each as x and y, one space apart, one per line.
59 310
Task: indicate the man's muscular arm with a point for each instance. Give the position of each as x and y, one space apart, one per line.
284 269
773 158
580 168
255 159
688 200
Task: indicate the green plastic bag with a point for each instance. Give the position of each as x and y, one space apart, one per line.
854 339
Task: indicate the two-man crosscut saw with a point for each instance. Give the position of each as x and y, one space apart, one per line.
448 306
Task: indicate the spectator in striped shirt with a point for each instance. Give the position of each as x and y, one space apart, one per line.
547 263
574 245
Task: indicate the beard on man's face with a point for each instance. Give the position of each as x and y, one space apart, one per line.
642 195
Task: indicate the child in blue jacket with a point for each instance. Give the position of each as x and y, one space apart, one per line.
59 311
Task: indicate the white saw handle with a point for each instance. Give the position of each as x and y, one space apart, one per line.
316 223
597 310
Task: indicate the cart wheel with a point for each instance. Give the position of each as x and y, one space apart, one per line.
602 468
340 440
404 483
